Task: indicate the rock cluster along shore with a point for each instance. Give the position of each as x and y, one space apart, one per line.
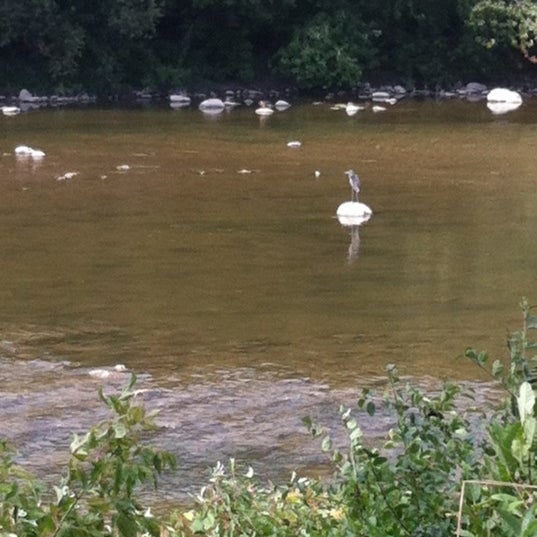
473 91
25 99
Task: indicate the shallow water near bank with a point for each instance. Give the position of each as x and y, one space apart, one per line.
214 267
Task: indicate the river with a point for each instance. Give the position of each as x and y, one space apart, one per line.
204 254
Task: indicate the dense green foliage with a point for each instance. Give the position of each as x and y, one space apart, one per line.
107 46
448 465
497 23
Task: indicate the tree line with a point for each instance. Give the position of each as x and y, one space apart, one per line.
105 46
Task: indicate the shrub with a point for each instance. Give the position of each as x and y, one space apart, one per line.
442 468
97 496
329 51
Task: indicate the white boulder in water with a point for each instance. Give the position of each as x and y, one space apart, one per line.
26 97
264 109
26 151
117 371
353 213
212 105
501 100
503 95
180 99
66 176
11 110
281 105
351 109
23 150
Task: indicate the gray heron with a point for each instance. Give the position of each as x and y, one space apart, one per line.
354 181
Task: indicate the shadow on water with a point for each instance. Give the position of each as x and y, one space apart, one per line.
206 256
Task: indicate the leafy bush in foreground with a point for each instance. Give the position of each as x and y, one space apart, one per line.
97 495
443 468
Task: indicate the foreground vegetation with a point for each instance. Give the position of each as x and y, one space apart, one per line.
105 45
444 468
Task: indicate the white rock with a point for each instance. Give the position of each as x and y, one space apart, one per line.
37 154
115 371
281 105
26 97
66 176
353 213
503 95
264 111
211 105
180 98
23 150
475 87
380 96
230 103
351 108
26 151
11 110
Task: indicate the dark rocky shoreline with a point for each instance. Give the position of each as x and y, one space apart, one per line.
473 91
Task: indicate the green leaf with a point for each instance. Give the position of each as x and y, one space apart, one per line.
120 430
529 429
520 447
209 521
326 444
351 424
531 321
197 525
510 501
497 368
370 408
473 492
356 434
479 358
525 401
126 525
529 525
46 525
512 521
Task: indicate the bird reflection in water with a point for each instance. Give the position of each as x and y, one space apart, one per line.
353 214
353 224
354 246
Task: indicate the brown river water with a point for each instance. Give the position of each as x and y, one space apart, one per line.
238 298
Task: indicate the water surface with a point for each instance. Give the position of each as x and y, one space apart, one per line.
238 297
